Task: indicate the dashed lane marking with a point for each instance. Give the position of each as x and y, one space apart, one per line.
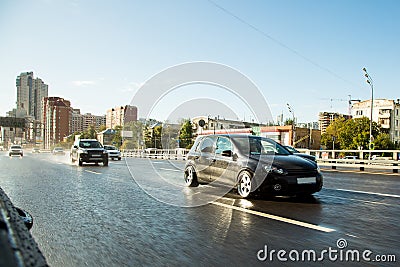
365 192
174 170
277 218
92 172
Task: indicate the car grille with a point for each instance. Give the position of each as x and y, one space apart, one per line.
302 173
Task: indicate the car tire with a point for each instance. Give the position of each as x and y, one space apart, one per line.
105 162
72 159
80 163
244 184
119 158
190 177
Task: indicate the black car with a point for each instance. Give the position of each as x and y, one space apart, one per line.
250 163
88 150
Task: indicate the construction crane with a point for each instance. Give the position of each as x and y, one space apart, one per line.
350 101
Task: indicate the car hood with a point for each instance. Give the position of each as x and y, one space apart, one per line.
290 162
93 149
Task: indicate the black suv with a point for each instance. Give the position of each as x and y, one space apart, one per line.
250 163
89 150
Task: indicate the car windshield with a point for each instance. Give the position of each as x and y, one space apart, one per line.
292 149
260 146
110 147
89 144
15 147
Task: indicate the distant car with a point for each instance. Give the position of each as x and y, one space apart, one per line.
113 152
58 151
250 163
88 150
294 151
16 150
351 157
35 150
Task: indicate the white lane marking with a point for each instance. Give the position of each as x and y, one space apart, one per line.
92 172
360 172
365 192
174 170
359 200
277 218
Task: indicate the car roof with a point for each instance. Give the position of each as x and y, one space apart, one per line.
234 136
88 140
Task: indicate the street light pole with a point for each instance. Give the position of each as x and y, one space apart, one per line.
371 83
293 124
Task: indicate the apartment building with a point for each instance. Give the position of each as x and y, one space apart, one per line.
385 112
30 94
120 115
57 115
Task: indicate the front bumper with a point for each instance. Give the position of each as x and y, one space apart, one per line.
291 185
86 157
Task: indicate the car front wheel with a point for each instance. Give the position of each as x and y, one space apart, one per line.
190 177
244 184
105 162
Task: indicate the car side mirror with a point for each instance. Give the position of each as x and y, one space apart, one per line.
26 217
227 153
75 146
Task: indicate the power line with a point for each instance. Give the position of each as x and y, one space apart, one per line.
266 35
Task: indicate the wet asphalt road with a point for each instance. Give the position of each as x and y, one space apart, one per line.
99 216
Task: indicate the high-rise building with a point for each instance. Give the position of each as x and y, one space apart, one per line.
30 94
57 114
118 116
76 121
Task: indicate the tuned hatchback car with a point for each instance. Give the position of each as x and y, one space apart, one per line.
16 150
251 163
88 150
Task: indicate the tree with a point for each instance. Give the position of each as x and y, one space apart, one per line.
332 133
382 141
186 134
90 133
117 140
349 134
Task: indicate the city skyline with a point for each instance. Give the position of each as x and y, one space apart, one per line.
97 56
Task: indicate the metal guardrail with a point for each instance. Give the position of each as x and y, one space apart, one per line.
171 154
361 164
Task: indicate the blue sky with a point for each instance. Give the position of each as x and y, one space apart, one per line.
302 52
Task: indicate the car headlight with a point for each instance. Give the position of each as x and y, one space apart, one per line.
275 169
83 151
104 151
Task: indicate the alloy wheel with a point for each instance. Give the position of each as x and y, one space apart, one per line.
244 185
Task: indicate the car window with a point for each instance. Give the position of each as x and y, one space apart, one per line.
89 144
259 146
207 146
223 144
